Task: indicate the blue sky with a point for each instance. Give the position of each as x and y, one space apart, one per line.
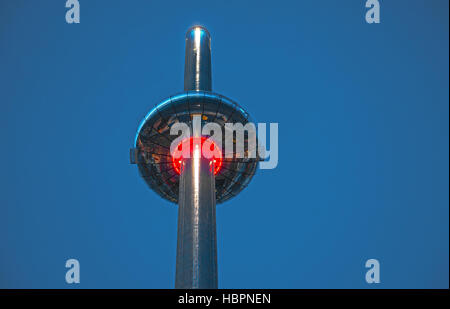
363 113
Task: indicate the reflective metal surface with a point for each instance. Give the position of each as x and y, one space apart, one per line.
194 186
152 143
197 245
197 65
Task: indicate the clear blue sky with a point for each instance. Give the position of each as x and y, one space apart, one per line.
363 113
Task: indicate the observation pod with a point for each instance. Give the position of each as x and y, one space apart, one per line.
195 182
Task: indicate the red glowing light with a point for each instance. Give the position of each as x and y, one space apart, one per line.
205 143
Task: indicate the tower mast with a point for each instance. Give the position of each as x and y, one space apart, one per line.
196 264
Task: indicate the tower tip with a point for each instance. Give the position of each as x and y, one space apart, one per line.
193 29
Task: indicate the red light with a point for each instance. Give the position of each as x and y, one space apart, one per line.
177 155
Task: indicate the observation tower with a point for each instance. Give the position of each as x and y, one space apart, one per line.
185 175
